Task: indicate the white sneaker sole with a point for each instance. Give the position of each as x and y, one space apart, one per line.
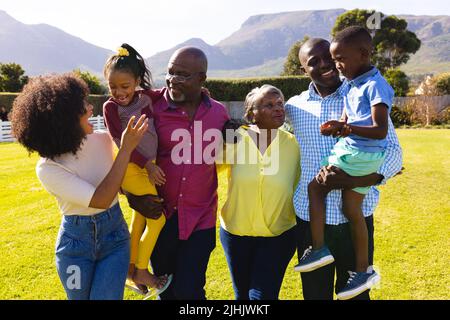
373 280
315 265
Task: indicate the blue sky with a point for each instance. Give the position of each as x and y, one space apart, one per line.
153 26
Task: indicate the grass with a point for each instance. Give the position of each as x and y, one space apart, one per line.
412 228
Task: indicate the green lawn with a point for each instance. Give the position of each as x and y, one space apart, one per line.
412 229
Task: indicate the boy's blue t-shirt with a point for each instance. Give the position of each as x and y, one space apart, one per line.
361 94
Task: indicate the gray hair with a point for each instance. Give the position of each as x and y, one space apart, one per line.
254 96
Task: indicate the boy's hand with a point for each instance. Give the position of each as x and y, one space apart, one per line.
330 127
335 128
155 174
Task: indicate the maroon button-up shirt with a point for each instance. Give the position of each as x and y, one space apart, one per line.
183 149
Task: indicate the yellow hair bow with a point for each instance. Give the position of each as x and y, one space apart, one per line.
122 52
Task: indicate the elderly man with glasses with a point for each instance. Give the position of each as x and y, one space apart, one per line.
182 115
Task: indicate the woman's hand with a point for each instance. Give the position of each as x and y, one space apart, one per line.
133 134
206 91
155 174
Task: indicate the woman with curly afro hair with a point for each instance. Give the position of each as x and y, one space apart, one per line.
77 166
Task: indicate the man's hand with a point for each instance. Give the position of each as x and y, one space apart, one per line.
335 178
155 174
400 172
148 205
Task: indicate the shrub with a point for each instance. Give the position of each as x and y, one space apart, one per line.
12 77
422 111
400 117
443 83
292 66
237 89
94 83
398 80
443 117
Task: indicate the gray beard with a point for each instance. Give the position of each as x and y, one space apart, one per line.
180 98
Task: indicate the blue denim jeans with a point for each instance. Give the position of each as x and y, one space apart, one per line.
257 264
92 255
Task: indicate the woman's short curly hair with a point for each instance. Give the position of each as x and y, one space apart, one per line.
254 97
46 115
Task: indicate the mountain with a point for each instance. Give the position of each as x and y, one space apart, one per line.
258 48
434 53
216 58
41 48
267 37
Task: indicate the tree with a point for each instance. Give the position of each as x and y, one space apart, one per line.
292 64
393 43
443 83
398 80
94 84
12 78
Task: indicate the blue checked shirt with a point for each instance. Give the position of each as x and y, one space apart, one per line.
306 112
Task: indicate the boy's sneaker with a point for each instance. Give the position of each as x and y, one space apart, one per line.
358 283
314 259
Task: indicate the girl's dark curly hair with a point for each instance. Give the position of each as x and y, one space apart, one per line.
46 115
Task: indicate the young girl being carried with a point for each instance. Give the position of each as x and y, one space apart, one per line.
126 73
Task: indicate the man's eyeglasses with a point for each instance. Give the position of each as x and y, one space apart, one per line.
180 78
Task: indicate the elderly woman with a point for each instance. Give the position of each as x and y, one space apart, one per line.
51 117
258 219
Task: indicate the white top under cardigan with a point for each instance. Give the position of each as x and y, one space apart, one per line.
72 179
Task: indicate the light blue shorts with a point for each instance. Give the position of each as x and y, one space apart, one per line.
354 162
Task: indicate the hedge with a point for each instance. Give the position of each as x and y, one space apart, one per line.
7 99
237 89
221 90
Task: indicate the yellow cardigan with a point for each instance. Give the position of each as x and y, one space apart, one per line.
260 186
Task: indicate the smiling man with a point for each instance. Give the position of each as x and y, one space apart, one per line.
323 101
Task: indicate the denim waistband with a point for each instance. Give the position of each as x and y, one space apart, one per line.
107 214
